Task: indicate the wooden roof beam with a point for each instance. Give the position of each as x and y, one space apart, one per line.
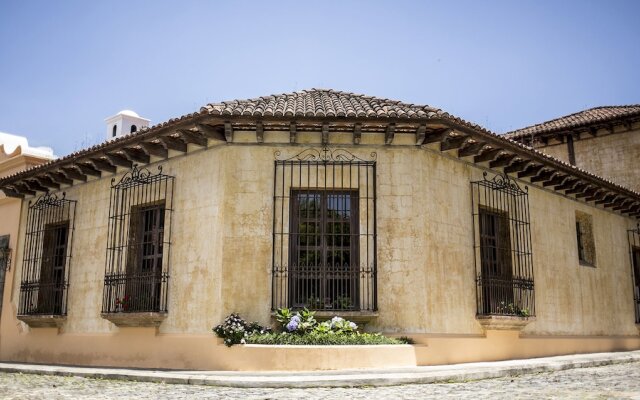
154 149
532 170
24 189
211 132
325 133
136 155
471 149
437 136
172 143
13 193
118 160
516 166
606 199
579 187
88 169
421 134
73 173
624 204
558 179
193 137
599 194
568 184
293 132
453 143
502 161
47 182
228 131
487 155
357 133
389 133
103 165
60 178
543 176
259 132
34 185
587 193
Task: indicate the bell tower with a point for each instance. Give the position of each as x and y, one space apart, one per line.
124 123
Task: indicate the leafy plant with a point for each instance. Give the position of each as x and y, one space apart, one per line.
235 330
317 338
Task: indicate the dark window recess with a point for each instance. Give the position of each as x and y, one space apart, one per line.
133 129
324 253
634 246
114 131
137 270
5 264
502 243
45 272
584 239
580 239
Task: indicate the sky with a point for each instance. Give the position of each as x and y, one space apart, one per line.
67 65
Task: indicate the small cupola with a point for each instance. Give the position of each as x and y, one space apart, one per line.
124 123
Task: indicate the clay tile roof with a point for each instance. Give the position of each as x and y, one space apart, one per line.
321 103
592 116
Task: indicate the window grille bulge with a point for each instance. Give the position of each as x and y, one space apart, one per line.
502 247
634 249
47 254
138 243
324 232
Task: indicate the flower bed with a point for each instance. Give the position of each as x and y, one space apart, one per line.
299 328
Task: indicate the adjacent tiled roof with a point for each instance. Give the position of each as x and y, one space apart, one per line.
596 115
322 103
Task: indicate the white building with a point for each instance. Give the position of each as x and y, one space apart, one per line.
124 123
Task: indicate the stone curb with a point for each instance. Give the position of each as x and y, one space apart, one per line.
350 378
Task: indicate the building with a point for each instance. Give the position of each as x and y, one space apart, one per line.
400 216
15 155
603 140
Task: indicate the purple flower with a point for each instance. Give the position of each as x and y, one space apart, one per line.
296 318
292 325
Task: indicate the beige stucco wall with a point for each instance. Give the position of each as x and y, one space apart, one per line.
221 263
613 156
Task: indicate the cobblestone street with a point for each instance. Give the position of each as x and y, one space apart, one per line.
614 381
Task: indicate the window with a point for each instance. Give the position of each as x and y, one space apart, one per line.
323 256
5 263
324 232
45 272
133 129
495 255
145 252
502 244
634 248
584 239
114 131
636 280
137 266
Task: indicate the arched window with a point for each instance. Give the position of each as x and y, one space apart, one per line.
133 128
114 130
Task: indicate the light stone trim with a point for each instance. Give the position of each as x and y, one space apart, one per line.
504 322
139 319
43 321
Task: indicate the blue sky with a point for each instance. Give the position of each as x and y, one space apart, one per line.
67 65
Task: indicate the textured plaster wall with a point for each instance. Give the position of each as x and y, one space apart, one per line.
221 261
613 156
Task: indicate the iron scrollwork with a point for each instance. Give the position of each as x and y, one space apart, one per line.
326 155
49 200
504 182
137 176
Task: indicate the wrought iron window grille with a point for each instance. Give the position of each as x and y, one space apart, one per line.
47 256
138 243
633 236
324 231
502 247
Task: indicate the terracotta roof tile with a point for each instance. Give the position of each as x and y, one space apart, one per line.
321 103
597 115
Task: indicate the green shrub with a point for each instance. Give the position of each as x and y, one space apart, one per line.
321 339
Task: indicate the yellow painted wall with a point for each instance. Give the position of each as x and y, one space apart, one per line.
613 156
221 263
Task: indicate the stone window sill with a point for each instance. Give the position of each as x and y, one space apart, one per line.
504 322
135 319
43 321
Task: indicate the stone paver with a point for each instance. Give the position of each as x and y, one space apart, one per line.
611 381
